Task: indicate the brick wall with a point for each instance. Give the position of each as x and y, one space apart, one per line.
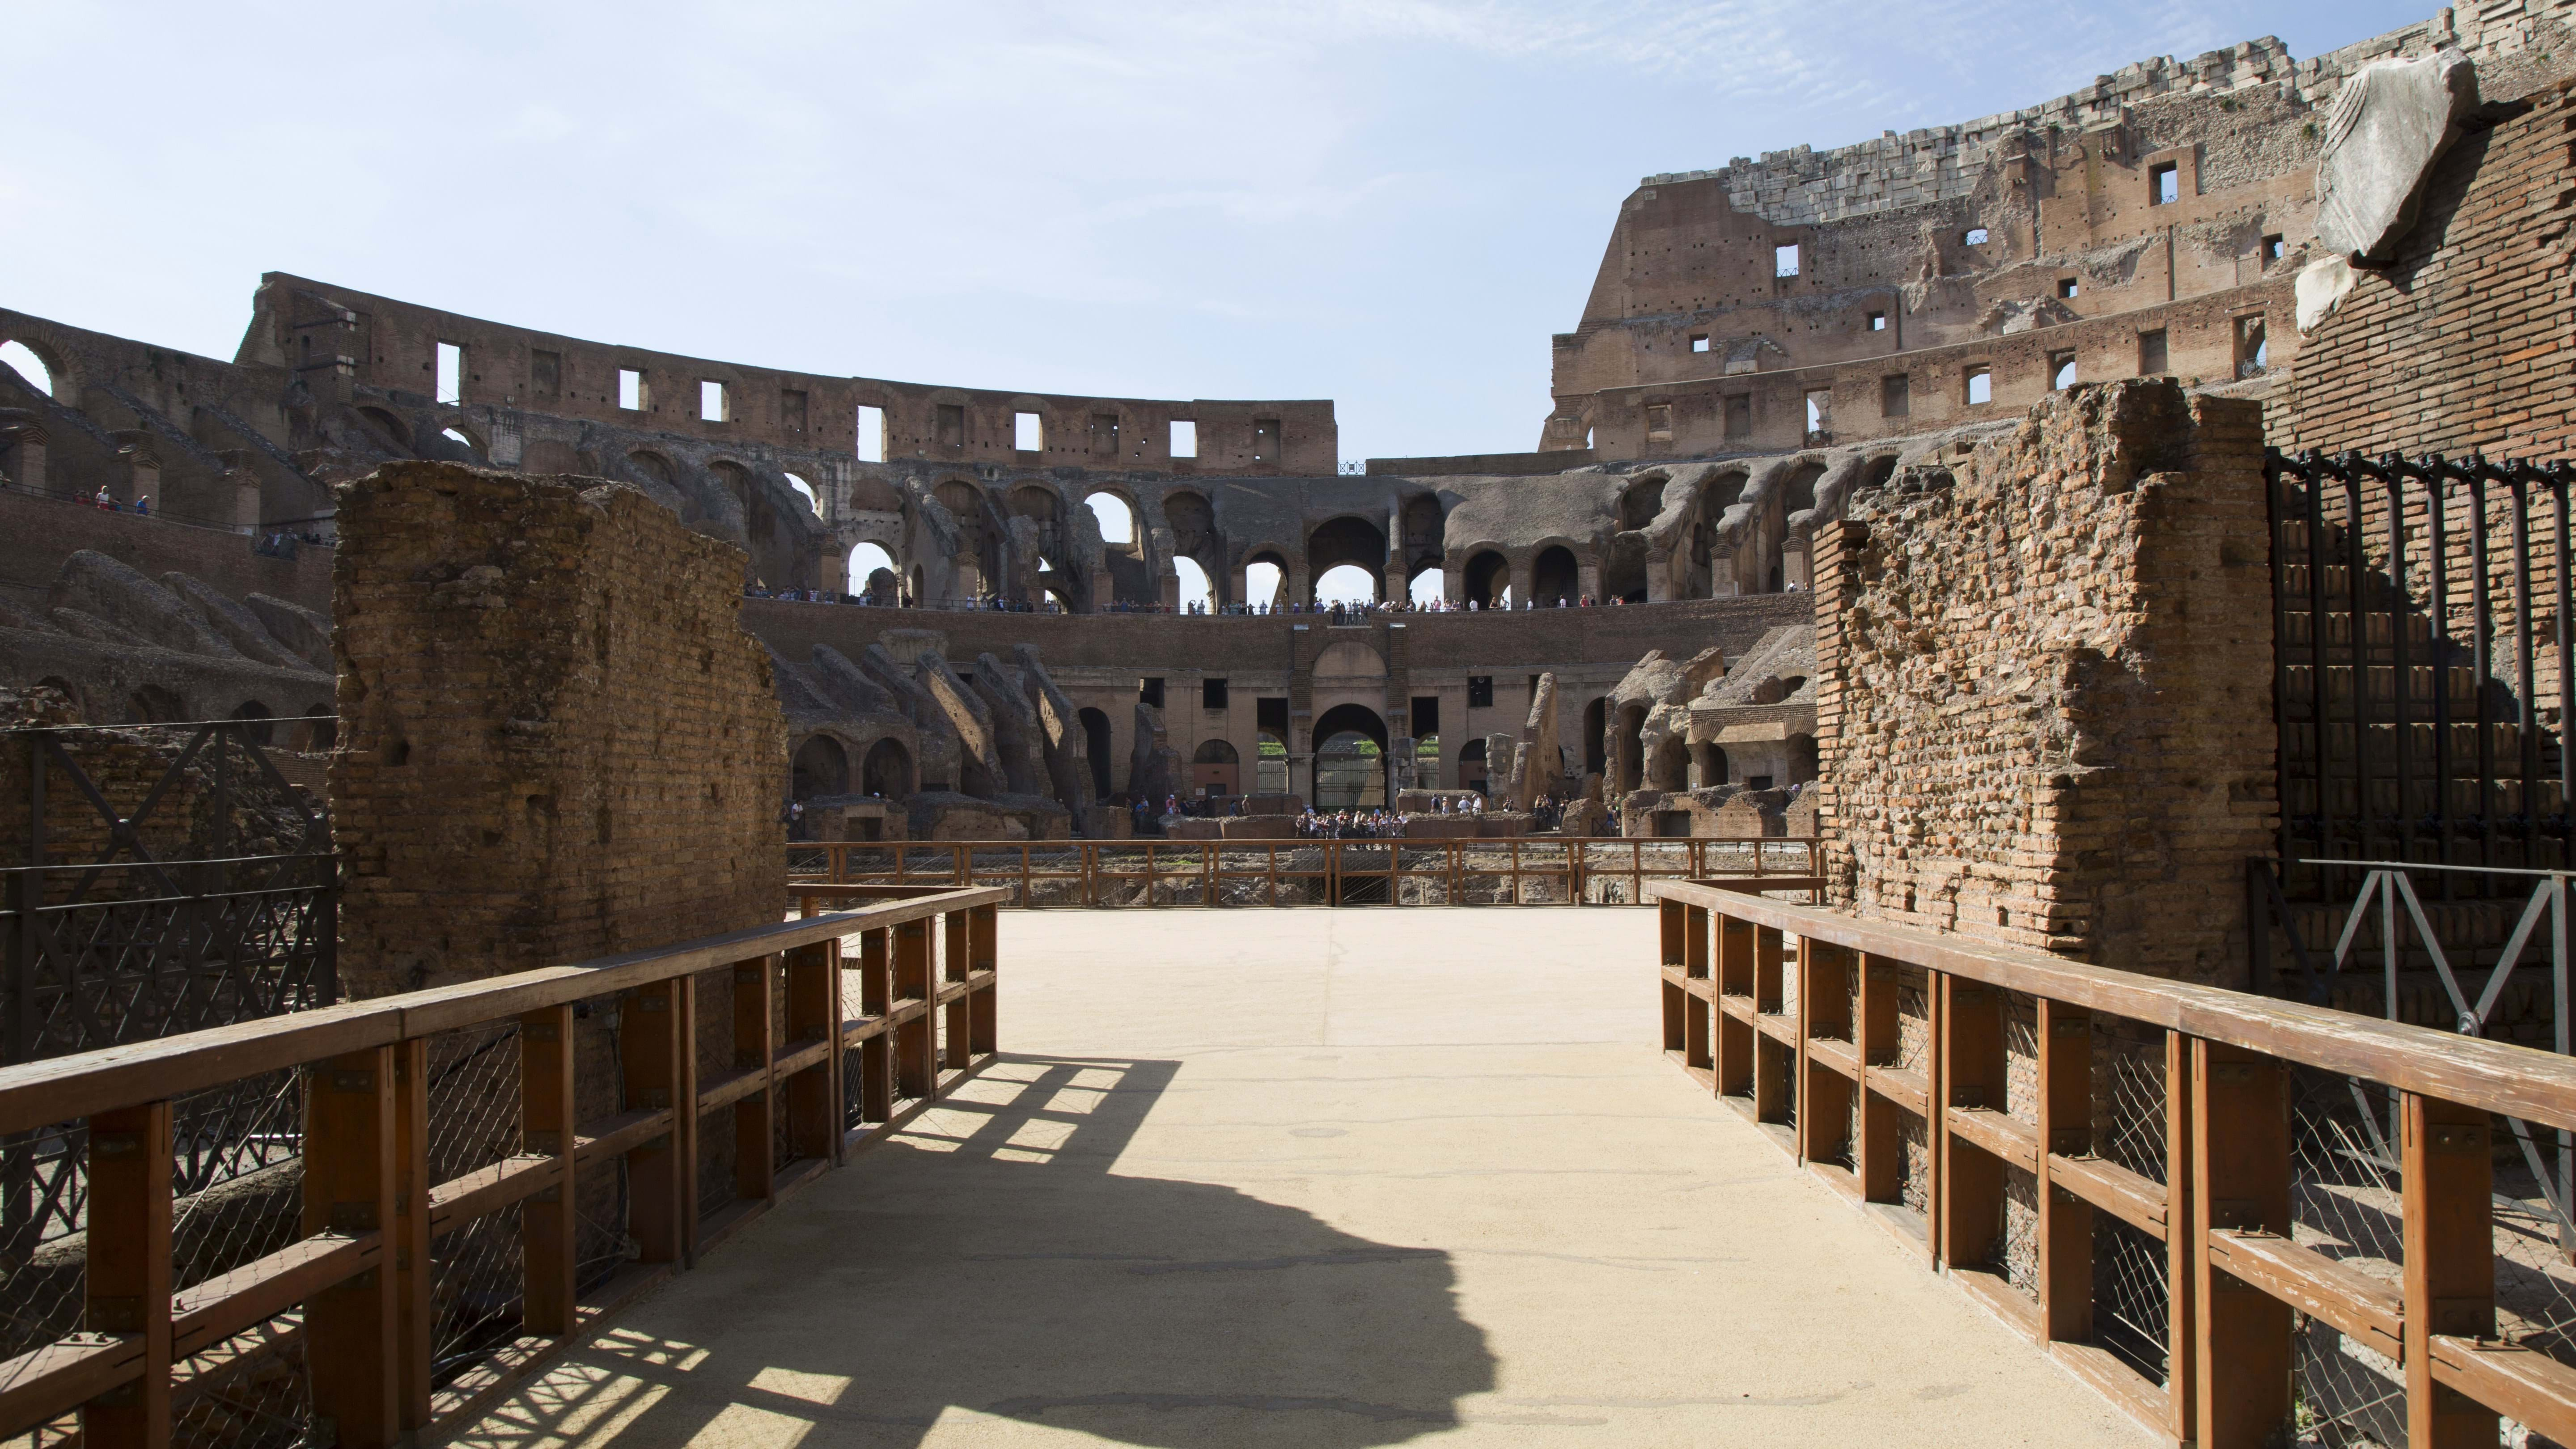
2458 345
2045 694
556 740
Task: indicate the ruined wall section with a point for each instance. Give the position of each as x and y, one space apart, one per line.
2446 349
2044 704
557 742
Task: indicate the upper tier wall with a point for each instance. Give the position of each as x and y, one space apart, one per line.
336 339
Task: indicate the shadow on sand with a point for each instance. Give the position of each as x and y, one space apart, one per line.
987 1261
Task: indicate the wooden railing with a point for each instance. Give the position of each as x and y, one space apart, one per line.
2237 1217
1503 870
458 1180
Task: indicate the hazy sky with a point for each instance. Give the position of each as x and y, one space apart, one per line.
1390 203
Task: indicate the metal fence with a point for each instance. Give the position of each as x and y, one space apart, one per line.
1498 871
2421 617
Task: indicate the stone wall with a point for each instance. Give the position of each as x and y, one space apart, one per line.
2045 704
2450 348
557 742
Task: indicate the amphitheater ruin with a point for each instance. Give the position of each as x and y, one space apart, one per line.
2060 621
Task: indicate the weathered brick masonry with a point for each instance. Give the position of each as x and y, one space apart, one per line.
557 741
2045 710
2459 344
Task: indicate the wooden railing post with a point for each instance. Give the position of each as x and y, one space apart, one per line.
2240 1168
659 1173
876 999
2450 1262
755 1134
1775 1068
1824 1010
2183 1250
349 1332
2065 1127
813 1096
128 1270
548 1223
987 956
1733 1050
407 1247
1878 1158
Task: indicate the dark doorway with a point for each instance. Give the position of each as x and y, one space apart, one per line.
1095 738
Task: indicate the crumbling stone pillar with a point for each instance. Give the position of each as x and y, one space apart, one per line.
556 740
2045 685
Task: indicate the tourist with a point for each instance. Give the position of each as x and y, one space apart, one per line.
143 504
103 500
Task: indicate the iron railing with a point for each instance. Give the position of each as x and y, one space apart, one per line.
1502 870
2421 624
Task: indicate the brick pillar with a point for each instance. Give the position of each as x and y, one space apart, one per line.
2044 685
556 742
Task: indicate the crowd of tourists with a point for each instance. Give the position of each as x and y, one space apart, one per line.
1338 612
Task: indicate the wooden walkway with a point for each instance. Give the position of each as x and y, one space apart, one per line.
1314 1179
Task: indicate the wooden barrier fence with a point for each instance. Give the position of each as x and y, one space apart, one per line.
2235 1216
1503 870
458 1180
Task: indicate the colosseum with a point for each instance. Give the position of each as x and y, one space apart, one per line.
1002 615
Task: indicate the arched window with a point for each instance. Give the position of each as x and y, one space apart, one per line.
1117 520
1426 586
887 771
1194 584
22 359
801 486
1262 580
822 768
1489 577
257 715
873 573
1553 576
1270 767
1096 744
1346 584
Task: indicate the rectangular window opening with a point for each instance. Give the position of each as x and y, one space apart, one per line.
1895 396
1150 691
1877 321
2061 371
2164 184
872 438
1480 691
2152 359
1659 422
630 389
1784 260
1211 694
1739 416
791 409
545 373
451 373
1265 440
1699 342
715 401
1028 432
2273 250
1976 236
1185 438
1271 714
952 425
2066 288
1820 415
1425 715
1981 385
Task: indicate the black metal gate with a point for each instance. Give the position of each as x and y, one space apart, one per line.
170 878
2421 616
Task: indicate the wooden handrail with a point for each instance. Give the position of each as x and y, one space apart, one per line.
2002 1104
35 1094
2516 1081
855 1042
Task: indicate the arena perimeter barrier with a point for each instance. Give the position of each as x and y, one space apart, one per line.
447 1218
2235 1216
1500 870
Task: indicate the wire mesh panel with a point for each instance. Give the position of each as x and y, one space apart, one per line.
2347 1202
1913 1020
2129 1095
1914 1163
2132 1297
236 1174
929 864
2017 1242
2021 1055
476 1271
251 1391
43 1193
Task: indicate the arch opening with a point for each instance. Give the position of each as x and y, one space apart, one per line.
821 767
1195 591
1489 578
1346 540
1270 765
1350 759
21 359
1265 580
256 727
1096 740
1427 585
887 770
1215 769
1346 584
873 572
1117 520
1554 579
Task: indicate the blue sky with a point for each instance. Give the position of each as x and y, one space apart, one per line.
1391 203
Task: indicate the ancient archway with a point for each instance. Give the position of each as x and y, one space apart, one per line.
887 770
822 767
1350 758
1554 578
1095 737
1215 769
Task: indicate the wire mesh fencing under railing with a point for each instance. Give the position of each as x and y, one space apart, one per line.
579 1133
2348 1228
1524 870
